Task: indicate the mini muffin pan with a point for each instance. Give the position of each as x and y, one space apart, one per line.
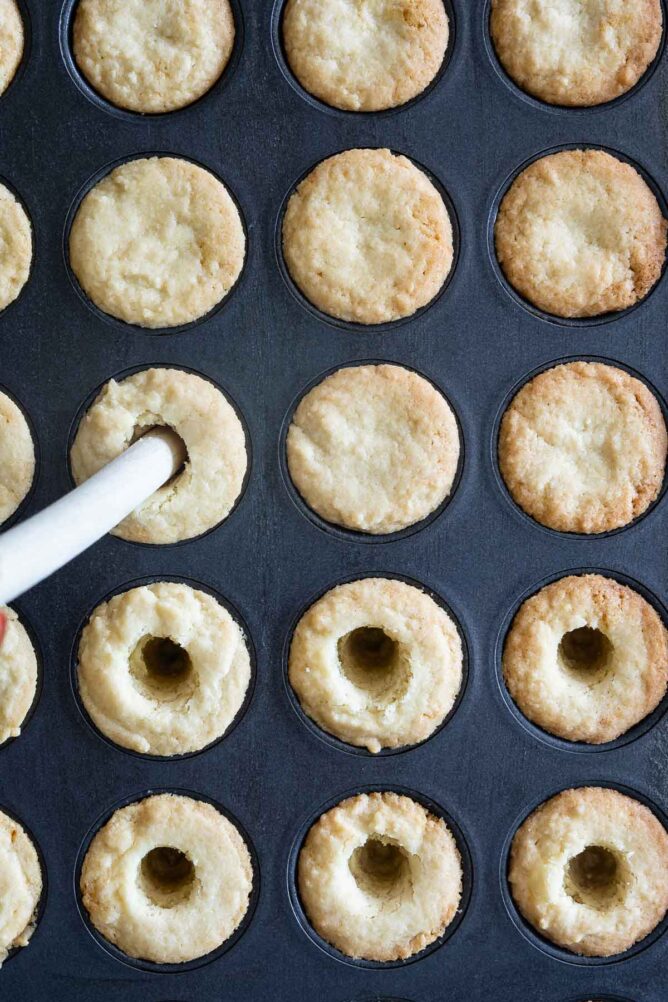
275 771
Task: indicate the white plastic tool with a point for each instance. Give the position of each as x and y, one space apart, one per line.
34 549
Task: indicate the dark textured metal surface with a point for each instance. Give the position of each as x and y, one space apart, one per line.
484 768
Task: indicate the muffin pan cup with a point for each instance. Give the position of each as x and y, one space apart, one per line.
24 508
539 733
274 770
139 583
148 965
353 326
7 183
343 532
124 114
494 443
25 11
331 739
532 935
41 903
320 105
101 314
552 318
466 866
559 109
34 640
119 377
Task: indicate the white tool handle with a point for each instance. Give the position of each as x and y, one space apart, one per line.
37 547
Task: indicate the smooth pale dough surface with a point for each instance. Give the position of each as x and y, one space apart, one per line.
599 704
365 55
152 56
367 237
373 448
579 233
383 922
17 457
582 447
15 246
205 492
576 52
564 827
421 684
115 896
18 676
158 242
20 886
11 42
179 718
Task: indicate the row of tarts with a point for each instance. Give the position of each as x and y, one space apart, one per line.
373 449
367 238
380 876
158 56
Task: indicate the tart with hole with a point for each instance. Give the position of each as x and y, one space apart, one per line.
380 877
586 658
376 663
205 490
589 871
163 669
167 879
